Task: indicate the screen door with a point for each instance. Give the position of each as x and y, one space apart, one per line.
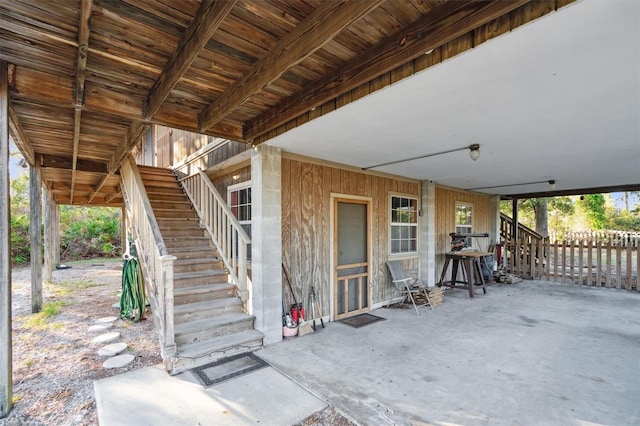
351 253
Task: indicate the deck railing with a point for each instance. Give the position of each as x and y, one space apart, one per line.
156 262
580 262
227 234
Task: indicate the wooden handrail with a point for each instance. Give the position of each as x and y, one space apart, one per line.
156 262
505 231
226 232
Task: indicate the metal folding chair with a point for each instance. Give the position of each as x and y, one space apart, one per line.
407 286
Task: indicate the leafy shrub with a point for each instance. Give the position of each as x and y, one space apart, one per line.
20 248
86 232
89 232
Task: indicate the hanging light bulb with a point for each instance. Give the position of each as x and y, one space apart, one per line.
474 151
552 184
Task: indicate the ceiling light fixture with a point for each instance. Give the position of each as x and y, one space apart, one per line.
474 153
552 185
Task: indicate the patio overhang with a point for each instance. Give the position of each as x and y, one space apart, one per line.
88 78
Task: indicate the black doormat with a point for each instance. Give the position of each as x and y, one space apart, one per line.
361 320
228 368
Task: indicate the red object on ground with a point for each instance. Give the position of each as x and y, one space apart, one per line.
297 313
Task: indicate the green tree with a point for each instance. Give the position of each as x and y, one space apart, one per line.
593 208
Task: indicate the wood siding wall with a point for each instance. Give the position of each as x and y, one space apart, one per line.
165 147
223 181
306 225
446 200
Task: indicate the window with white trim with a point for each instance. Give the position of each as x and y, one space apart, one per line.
464 220
239 200
404 225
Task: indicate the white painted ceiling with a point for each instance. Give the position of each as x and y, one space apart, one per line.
558 98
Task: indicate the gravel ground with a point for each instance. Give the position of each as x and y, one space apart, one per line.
54 359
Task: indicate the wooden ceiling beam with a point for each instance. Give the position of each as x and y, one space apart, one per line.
319 28
78 89
136 130
98 187
76 142
579 191
111 197
83 48
65 163
207 20
20 138
442 24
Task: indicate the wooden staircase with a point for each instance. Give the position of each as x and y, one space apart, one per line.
209 318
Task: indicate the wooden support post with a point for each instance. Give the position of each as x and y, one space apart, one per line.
51 235
514 220
6 363
35 235
56 234
124 236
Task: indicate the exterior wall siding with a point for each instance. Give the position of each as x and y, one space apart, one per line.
445 205
225 180
306 225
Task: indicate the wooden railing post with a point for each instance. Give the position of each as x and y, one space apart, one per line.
169 345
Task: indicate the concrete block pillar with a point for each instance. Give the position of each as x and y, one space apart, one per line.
265 291
428 233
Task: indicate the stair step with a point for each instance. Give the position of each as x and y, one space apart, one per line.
209 328
157 193
196 354
173 213
175 242
202 293
189 231
208 309
157 185
193 252
167 205
177 221
197 264
158 177
155 171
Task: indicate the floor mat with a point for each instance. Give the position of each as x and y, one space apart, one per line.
361 320
228 368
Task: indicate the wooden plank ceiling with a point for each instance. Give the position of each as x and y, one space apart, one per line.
88 77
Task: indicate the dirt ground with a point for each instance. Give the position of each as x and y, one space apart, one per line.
54 359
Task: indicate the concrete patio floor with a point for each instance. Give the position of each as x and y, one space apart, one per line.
533 353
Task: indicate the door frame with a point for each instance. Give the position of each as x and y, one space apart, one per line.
335 198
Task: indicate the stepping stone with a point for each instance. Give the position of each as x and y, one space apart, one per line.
97 328
112 349
105 320
116 305
106 337
118 361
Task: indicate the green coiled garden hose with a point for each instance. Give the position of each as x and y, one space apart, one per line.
132 299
